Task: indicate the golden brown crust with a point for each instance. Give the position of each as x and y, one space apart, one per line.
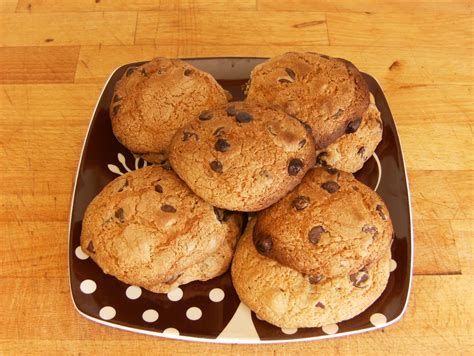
152 101
148 229
330 225
325 93
290 299
242 156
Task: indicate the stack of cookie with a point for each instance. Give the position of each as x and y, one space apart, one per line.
320 239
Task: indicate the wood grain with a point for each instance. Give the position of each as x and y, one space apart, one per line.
388 30
69 28
54 58
126 5
38 64
249 27
386 6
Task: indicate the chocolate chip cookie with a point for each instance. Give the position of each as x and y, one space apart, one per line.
327 94
242 156
350 151
289 299
148 229
152 101
330 225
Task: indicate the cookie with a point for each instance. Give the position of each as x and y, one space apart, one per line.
330 225
148 229
152 101
242 156
289 299
350 151
327 94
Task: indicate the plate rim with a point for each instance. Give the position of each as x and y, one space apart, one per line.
231 340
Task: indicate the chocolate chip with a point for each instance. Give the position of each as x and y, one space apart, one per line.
243 117
115 110
222 215
90 247
216 166
168 208
284 81
231 111
188 135
370 229
330 186
119 214
302 143
314 235
222 145
295 166
116 98
300 202
290 73
143 71
331 170
188 72
205 115
315 279
359 278
361 151
125 185
130 71
158 188
263 244
380 211
320 159
353 125
320 305
218 131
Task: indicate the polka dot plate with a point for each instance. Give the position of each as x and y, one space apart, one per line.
211 311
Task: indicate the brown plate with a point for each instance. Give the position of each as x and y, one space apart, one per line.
211 311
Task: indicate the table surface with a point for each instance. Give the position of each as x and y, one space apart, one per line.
54 59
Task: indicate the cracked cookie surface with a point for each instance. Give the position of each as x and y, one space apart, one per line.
289 299
330 225
242 156
148 229
323 92
153 100
350 151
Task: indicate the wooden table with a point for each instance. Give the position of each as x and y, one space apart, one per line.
54 59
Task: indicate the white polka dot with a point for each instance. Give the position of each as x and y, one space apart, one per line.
175 294
88 286
290 331
150 315
171 331
80 253
378 319
330 329
133 292
107 313
216 295
194 313
393 265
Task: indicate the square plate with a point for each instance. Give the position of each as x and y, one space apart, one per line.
211 311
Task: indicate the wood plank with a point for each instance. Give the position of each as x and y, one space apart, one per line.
386 6
437 322
127 5
464 233
412 66
68 28
8 5
388 30
425 146
442 194
38 64
248 28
